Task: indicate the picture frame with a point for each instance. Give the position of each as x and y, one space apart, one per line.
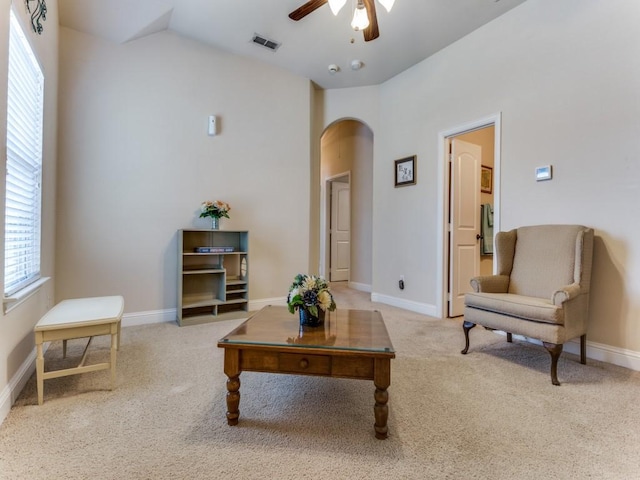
486 179
405 171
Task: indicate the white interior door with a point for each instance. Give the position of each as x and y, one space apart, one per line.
340 232
464 259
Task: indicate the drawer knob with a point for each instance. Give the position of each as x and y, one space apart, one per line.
304 363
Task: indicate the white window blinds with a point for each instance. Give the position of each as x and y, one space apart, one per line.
24 164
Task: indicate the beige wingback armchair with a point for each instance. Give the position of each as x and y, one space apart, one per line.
541 289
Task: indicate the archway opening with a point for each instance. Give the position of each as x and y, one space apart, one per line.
346 180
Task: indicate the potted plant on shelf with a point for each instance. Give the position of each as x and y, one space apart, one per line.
215 210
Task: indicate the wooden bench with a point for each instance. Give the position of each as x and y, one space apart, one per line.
79 318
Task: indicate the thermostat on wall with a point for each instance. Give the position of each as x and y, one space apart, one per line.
543 173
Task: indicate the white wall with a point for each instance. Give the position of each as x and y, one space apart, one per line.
136 162
16 327
565 76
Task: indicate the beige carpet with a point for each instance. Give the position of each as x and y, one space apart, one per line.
492 414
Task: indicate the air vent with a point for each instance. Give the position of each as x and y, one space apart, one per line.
265 42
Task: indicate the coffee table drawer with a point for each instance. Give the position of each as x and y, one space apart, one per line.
300 363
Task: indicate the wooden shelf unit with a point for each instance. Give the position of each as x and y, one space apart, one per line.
214 285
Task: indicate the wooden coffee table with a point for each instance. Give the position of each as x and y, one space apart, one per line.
351 344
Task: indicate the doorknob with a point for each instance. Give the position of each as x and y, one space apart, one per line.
478 236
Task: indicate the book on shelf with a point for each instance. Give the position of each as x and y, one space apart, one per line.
214 249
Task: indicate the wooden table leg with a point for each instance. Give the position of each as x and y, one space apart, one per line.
40 369
382 380
232 370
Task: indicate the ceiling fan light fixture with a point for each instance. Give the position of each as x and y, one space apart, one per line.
336 5
360 18
388 4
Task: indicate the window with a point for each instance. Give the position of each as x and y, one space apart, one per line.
24 164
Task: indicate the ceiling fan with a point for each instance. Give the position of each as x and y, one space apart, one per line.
364 18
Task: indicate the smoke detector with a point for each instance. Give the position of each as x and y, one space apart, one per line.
356 64
333 68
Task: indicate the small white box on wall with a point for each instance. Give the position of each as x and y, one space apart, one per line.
543 173
213 125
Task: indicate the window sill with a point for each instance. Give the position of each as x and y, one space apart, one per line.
9 303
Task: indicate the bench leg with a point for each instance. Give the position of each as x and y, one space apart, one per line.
583 349
114 348
40 374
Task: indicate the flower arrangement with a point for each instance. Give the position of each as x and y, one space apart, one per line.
310 292
215 209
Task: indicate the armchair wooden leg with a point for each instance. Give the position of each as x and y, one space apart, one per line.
583 349
509 337
555 350
466 326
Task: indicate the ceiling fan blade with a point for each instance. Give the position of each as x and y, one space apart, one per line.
306 9
371 32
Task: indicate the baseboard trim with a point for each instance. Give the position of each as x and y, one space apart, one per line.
596 351
606 353
363 287
152 316
255 305
424 308
10 393
170 314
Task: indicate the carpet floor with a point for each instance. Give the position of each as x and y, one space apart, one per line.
492 414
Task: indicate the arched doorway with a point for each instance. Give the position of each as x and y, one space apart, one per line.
346 160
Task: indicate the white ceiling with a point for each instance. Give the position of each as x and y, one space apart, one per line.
411 32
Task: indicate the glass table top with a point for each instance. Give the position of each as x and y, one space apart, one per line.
359 330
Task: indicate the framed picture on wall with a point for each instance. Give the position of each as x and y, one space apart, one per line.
486 179
405 171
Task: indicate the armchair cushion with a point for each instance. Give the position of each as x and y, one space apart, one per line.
519 306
